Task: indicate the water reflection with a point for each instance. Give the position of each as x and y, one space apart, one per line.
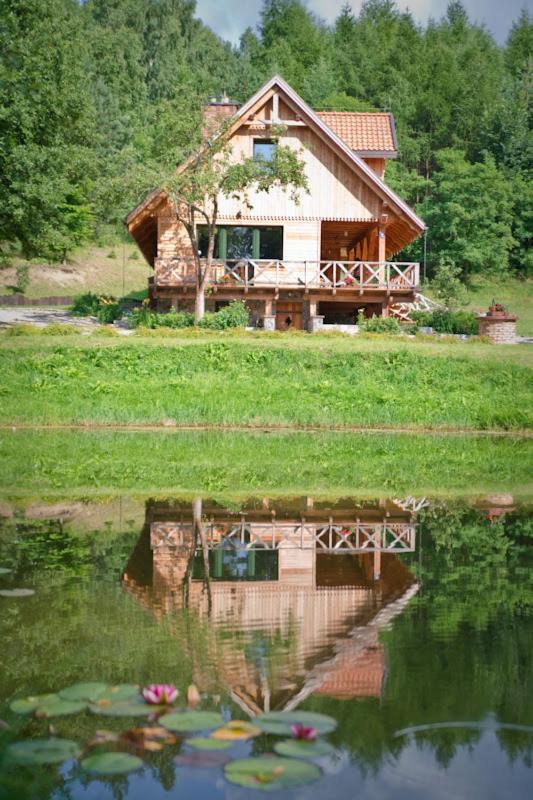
408 621
296 594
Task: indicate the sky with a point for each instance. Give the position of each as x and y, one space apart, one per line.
229 18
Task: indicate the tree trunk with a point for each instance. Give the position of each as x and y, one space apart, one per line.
199 304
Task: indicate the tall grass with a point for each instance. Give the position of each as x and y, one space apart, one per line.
236 465
235 380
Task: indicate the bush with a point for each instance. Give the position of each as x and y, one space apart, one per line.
143 317
103 306
378 324
235 315
443 321
22 277
108 312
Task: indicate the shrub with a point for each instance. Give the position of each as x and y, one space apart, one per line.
22 277
144 317
444 321
109 311
88 305
111 254
103 306
378 324
234 315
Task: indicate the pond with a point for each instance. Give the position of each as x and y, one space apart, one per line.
405 619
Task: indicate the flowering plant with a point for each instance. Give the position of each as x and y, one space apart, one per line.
160 693
349 280
304 732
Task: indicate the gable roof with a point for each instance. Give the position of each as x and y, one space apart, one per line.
313 120
369 134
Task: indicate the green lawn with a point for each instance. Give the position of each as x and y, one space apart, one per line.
232 466
259 380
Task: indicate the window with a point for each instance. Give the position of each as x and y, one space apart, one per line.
242 241
264 150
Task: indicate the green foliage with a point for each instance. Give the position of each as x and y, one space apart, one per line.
146 318
444 321
22 277
378 324
469 215
447 286
105 307
234 315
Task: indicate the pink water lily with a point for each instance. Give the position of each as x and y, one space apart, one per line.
160 693
304 732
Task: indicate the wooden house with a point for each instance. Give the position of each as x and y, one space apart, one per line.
280 584
298 265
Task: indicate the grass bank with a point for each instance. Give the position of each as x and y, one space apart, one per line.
115 269
76 464
255 380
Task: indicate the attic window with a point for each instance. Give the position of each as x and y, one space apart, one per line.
264 150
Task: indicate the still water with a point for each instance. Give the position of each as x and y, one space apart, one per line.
407 620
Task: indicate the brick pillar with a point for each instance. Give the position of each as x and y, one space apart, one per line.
500 329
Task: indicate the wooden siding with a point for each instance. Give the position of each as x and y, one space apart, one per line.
301 241
336 192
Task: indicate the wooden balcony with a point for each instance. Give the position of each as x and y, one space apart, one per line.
330 276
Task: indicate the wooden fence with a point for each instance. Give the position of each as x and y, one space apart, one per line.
18 300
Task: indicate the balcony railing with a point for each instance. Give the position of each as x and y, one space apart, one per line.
264 273
353 536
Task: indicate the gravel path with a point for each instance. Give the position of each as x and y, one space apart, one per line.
40 317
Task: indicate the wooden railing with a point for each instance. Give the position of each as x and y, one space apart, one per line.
264 273
349 537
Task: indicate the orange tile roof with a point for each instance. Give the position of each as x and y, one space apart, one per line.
361 131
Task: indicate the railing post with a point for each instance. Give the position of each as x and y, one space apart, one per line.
277 274
305 273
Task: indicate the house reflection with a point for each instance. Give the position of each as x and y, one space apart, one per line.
294 594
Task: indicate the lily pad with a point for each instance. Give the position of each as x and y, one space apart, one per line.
296 748
271 773
202 760
35 752
111 763
236 730
191 720
207 743
4 570
55 706
27 705
46 705
89 692
125 708
122 691
280 722
16 592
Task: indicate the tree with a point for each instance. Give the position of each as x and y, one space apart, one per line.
469 215
209 173
47 128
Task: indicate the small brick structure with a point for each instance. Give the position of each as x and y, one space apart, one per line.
500 328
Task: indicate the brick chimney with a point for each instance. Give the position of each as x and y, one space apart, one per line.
216 112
